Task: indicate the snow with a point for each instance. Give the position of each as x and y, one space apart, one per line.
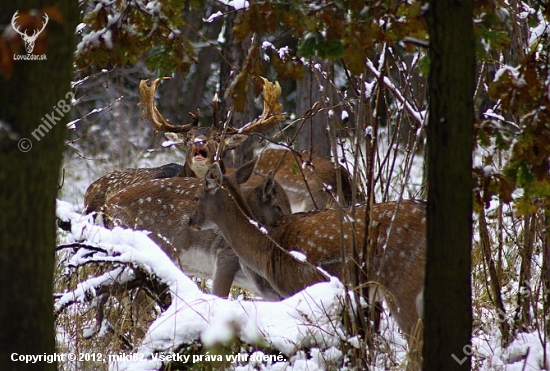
298 256
258 226
169 143
542 28
308 319
80 27
284 52
107 38
490 113
488 170
518 79
368 131
154 7
344 115
213 17
267 45
237 4
524 353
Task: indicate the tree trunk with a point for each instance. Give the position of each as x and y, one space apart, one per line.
496 287
235 53
522 318
314 134
447 307
545 272
29 173
185 94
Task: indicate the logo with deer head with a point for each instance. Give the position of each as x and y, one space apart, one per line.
29 40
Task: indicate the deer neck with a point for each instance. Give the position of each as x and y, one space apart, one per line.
236 224
256 250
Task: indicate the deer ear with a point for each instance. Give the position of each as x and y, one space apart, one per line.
175 137
214 177
268 186
233 141
245 171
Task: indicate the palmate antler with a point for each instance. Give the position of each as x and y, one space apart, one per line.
271 114
151 113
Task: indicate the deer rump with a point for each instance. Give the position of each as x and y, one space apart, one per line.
396 241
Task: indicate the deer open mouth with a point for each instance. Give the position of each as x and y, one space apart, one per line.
200 154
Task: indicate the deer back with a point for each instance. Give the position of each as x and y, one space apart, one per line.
200 150
309 186
396 241
100 190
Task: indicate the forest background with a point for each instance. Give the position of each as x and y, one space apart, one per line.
367 65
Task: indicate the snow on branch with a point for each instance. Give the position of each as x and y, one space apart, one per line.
310 318
417 115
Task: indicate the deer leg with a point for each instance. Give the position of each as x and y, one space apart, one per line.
227 265
262 285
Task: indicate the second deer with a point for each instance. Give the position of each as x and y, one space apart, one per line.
396 235
163 207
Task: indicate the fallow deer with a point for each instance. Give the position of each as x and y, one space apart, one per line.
396 235
311 183
163 207
200 144
307 186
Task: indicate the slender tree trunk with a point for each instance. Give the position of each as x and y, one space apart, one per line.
546 273
522 317
235 53
493 276
447 308
185 94
29 172
314 134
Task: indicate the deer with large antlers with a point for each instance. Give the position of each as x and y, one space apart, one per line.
396 235
307 186
201 144
28 40
163 207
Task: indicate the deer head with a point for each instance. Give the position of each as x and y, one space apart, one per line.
237 225
204 145
201 144
28 40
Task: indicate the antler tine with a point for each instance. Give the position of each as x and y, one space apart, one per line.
215 117
271 114
46 19
195 117
13 19
151 113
